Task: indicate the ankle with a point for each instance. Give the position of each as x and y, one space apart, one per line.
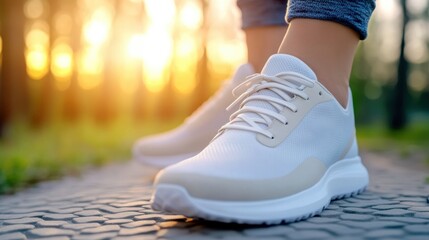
341 93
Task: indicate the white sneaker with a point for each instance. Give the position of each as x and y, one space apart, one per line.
285 154
196 132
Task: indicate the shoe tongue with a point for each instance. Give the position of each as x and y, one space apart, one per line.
278 63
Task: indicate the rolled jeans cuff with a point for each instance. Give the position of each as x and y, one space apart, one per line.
354 14
257 13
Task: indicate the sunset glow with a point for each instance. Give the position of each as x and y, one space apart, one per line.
156 47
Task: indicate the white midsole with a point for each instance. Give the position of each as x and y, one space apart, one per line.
344 177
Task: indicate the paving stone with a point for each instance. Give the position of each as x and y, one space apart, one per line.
145 237
139 223
99 236
366 196
358 210
411 199
101 229
411 193
269 231
388 195
15 228
59 216
89 219
138 230
148 217
118 221
384 233
220 233
21 215
79 226
417 229
322 220
173 217
405 219
414 204
86 213
415 237
22 220
330 227
356 217
55 238
419 209
332 207
121 215
131 204
376 224
51 232
394 212
330 213
310 234
110 209
172 233
369 203
392 206
422 215
172 224
13 236
51 223
249 238
65 210
26 210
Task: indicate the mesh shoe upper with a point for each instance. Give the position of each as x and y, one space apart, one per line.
293 155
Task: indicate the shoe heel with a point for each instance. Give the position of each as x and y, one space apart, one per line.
347 177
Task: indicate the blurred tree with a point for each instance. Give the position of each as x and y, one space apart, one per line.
139 106
71 110
106 108
43 109
167 103
13 82
398 116
203 74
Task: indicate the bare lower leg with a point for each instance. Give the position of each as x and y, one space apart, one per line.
328 48
262 42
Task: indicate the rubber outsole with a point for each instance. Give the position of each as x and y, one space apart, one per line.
345 178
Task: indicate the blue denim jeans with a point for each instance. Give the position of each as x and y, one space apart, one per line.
351 13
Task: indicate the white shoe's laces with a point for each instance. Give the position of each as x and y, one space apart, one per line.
287 86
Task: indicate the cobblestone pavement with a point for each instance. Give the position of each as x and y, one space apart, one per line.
113 203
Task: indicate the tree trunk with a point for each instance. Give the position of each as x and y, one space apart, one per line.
139 105
398 118
13 80
106 104
71 110
203 75
43 109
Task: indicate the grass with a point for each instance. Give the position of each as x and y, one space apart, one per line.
29 156
378 138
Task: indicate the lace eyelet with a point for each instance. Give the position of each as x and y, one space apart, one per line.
286 123
320 93
272 137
